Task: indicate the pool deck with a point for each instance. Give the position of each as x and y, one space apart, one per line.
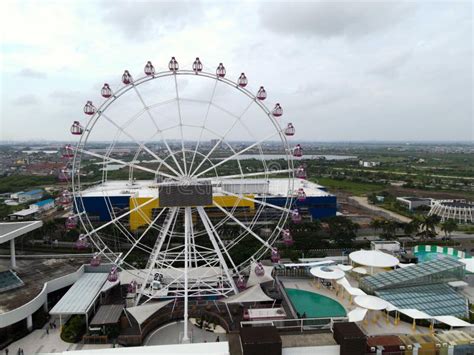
377 324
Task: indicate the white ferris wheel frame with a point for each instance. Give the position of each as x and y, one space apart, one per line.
215 255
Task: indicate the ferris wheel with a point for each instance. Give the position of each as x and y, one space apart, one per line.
187 152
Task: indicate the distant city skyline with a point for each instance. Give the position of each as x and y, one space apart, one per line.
344 71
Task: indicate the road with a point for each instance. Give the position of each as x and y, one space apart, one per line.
363 202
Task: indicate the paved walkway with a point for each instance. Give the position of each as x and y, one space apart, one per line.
39 342
172 333
363 202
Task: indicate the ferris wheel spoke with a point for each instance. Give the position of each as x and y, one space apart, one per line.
265 204
112 221
211 232
147 109
118 161
203 126
141 145
236 220
261 173
180 125
144 233
235 154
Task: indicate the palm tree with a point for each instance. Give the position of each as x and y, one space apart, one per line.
448 226
428 226
376 223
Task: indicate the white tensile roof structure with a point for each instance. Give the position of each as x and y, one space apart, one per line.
252 294
372 303
327 272
256 280
373 258
145 311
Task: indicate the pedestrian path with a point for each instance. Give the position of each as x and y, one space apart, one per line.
47 340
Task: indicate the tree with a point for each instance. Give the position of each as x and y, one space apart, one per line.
376 223
428 226
389 229
342 230
448 226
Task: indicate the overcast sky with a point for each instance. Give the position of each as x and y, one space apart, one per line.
380 70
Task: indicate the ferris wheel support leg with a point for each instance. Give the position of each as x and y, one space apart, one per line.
210 231
156 250
188 220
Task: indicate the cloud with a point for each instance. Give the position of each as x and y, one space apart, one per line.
26 100
30 73
332 18
67 97
148 18
390 65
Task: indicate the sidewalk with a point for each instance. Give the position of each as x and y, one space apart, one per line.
39 342
364 203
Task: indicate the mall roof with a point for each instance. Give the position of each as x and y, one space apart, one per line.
148 188
81 295
11 230
410 275
436 299
373 258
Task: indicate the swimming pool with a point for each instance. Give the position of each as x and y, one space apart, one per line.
431 255
314 304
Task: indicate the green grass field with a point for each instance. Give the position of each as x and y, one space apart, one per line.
355 188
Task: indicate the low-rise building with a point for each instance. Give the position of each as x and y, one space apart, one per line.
31 195
414 202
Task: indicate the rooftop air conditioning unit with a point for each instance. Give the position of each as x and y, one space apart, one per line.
402 347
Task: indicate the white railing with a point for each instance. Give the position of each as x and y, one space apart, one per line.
301 324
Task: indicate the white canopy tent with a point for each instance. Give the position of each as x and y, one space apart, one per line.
143 312
311 264
256 280
327 272
345 268
415 313
452 321
372 303
360 270
373 259
357 315
352 291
